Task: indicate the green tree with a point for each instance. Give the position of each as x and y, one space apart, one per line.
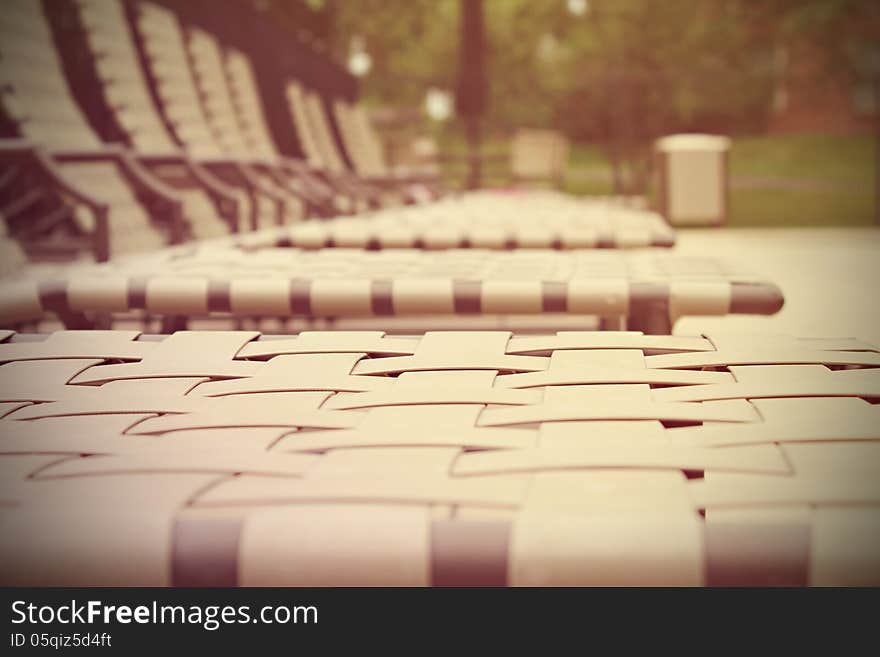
622 74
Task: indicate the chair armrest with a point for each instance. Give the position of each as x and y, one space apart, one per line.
99 153
245 173
143 181
224 196
130 165
257 183
202 176
145 178
25 152
52 248
13 147
313 176
101 210
290 181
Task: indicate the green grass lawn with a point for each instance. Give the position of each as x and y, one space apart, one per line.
836 158
775 179
782 207
808 180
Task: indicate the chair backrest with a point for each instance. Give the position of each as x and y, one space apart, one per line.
111 40
299 112
538 155
361 141
313 125
118 68
248 105
207 64
321 122
179 96
33 89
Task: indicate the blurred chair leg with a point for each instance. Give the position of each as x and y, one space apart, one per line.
652 319
173 323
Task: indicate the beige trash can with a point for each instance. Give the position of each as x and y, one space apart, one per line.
692 179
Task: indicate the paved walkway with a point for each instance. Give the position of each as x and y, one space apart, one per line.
830 278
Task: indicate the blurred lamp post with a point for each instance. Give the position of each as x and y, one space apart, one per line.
471 93
577 7
359 60
438 104
875 65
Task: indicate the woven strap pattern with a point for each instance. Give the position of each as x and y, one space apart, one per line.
229 458
488 220
206 280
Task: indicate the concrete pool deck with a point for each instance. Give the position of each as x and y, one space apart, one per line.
829 276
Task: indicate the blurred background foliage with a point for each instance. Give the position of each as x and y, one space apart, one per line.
615 74
687 63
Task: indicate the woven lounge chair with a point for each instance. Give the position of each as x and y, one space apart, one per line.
650 291
58 150
364 148
169 128
255 130
124 89
449 459
312 124
489 220
41 103
168 66
222 108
